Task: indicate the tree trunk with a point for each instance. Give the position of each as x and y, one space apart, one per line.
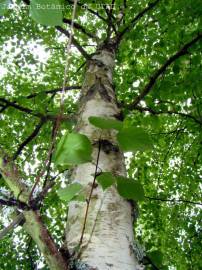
108 235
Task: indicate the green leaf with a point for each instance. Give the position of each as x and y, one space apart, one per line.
106 179
151 121
156 257
46 12
176 68
105 123
70 192
73 149
130 189
79 197
4 4
62 168
133 139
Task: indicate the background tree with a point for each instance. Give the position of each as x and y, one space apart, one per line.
156 48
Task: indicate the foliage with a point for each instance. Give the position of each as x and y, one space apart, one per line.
106 179
127 188
167 121
69 193
46 12
73 149
105 123
133 139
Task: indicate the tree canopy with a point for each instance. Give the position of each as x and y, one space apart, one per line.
158 83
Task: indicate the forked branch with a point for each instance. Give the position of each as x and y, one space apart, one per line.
53 91
29 138
173 200
33 222
16 221
162 69
85 6
170 112
80 28
133 22
74 41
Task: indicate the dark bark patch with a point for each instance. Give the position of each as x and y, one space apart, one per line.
95 61
103 92
97 87
108 147
65 253
119 116
79 265
109 264
109 45
134 210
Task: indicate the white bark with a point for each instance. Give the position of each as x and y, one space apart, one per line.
109 230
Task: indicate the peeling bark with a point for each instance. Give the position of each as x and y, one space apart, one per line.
108 235
109 230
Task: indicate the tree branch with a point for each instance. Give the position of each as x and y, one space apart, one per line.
33 222
17 220
154 112
27 2
3 108
110 20
80 28
36 203
52 91
136 19
13 202
29 138
19 107
50 157
30 254
151 263
74 42
31 112
161 70
96 13
173 200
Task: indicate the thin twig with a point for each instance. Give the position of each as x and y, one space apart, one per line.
50 158
90 195
19 107
162 69
36 203
28 111
132 23
32 264
173 200
166 155
96 13
57 90
3 108
171 112
80 28
151 263
74 42
13 202
58 119
81 66
17 220
29 138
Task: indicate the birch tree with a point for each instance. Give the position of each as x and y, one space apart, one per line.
100 144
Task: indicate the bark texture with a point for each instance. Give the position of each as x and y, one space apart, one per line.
108 234
33 223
